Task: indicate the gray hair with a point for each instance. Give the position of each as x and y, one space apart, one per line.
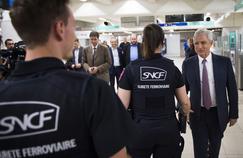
113 38
204 31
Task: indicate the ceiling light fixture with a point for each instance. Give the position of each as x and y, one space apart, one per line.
102 19
83 0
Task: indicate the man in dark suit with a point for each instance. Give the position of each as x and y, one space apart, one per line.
123 45
76 61
133 51
213 94
117 59
97 59
190 51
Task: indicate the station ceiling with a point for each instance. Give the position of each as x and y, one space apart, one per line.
113 10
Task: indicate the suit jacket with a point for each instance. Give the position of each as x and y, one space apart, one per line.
102 61
127 53
225 89
72 59
124 45
80 56
121 58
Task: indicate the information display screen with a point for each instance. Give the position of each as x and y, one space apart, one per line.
194 17
174 18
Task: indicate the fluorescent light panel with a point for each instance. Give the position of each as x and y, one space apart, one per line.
131 7
88 9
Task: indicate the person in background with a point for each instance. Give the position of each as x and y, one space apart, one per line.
190 51
8 54
97 59
185 45
213 94
117 62
105 44
133 51
151 85
76 61
3 68
123 45
1 41
47 111
9 43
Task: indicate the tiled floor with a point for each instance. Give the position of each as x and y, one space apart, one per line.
232 144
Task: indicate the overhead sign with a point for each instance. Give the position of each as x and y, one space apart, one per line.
107 28
198 23
174 24
201 23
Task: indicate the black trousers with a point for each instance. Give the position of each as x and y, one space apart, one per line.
207 135
115 73
157 137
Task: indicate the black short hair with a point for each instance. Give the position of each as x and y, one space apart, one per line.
153 36
7 40
33 19
94 34
76 40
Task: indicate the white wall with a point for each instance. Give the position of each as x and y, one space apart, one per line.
83 37
233 20
173 44
7 28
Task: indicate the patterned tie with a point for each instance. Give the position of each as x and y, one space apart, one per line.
93 60
207 103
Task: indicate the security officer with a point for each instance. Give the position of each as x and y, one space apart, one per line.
47 111
151 83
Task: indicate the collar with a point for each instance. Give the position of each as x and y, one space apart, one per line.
37 65
76 49
156 56
94 47
209 58
133 45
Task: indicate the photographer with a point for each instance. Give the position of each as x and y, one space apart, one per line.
9 43
14 53
3 68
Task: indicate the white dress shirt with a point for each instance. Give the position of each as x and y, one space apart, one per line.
115 57
209 66
76 55
94 48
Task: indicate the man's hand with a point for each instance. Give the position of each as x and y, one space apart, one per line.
93 70
232 122
72 66
78 66
186 111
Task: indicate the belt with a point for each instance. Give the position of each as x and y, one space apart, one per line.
211 108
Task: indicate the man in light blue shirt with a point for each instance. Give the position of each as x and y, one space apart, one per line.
133 51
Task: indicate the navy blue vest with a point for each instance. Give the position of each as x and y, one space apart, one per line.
153 88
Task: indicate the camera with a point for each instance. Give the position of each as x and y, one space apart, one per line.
9 57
